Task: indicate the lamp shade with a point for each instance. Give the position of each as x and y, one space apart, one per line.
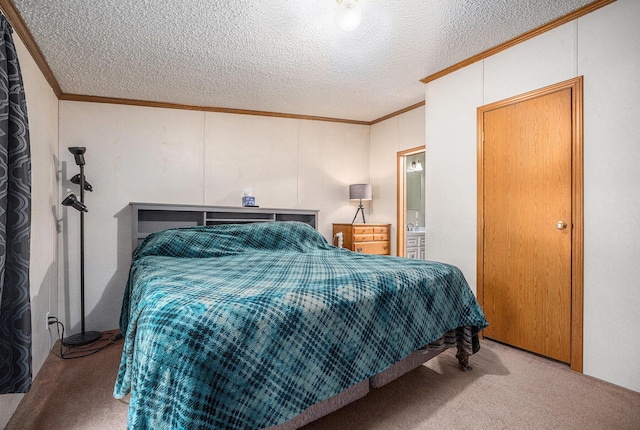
360 192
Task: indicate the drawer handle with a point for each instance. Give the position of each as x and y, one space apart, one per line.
385 247
358 249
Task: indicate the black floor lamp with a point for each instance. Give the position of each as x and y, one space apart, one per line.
84 337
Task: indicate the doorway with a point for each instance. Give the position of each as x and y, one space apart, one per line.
530 191
411 203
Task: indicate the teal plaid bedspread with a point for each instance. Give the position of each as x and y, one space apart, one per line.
245 326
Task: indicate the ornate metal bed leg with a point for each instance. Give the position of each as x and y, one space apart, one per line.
463 359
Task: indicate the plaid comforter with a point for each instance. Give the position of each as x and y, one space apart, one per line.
245 326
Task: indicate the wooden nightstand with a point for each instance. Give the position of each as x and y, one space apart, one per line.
367 238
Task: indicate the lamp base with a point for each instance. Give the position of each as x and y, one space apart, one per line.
360 209
81 338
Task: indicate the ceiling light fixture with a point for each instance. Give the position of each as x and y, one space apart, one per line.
348 15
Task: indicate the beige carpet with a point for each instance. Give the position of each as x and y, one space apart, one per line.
507 389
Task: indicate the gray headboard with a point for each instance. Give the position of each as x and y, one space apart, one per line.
150 217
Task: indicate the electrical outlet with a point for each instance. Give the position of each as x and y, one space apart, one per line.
47 320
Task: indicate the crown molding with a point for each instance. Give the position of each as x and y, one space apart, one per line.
522 38
131 102
398 112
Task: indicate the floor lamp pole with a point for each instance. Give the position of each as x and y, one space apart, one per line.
84 337
82 251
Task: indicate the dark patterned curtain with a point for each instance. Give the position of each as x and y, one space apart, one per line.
15 222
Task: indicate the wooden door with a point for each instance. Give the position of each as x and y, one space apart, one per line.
527 230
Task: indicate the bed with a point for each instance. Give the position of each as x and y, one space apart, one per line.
266 325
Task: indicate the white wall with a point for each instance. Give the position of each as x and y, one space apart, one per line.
602 46
140 154
609 59
451 206
389 137
42 109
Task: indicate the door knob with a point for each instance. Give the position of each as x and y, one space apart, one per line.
561 225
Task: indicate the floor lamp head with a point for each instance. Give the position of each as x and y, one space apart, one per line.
76 180
78 153
72 200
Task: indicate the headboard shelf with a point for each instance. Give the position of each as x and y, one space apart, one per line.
150 217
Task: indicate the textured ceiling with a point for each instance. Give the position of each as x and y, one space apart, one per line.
285 56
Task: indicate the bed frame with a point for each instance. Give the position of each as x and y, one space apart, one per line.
359 390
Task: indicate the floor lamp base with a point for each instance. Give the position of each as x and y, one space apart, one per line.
81 338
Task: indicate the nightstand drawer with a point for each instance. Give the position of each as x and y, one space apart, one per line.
373 248
362 230
381 230
362 237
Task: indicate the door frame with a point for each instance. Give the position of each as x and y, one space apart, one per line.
401 244
577 206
